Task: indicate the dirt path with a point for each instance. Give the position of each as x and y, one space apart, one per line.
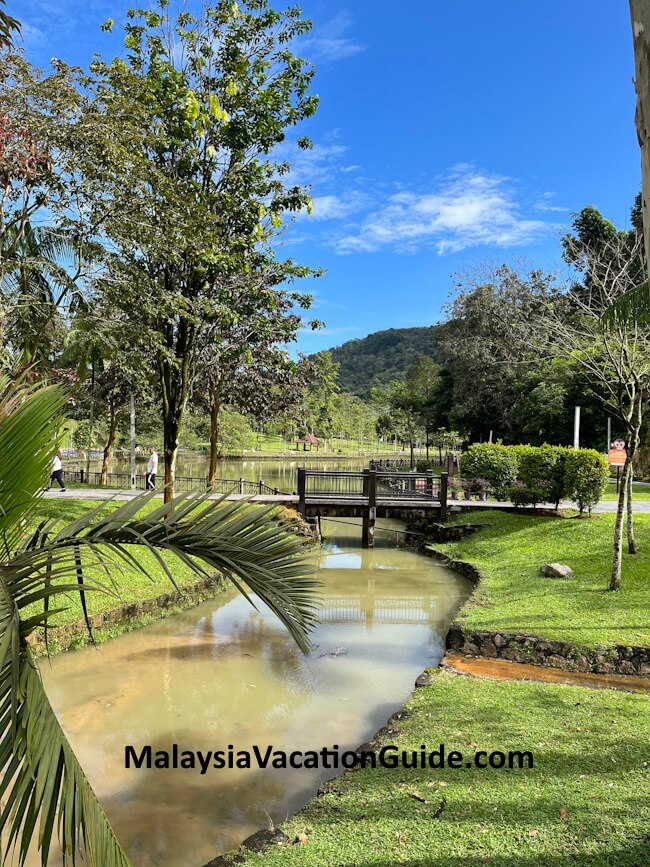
498 669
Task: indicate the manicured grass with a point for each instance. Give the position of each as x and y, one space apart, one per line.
640 491
586 801
132 585
513 597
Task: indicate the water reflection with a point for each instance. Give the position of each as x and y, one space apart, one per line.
225 674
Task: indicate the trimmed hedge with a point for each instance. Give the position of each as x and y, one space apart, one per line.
529 475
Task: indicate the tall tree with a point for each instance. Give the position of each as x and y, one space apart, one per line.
491 342
614 353
216 94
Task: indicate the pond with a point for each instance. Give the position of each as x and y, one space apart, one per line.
224 674
278 473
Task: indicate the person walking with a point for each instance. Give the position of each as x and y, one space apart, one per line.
57 471
152 469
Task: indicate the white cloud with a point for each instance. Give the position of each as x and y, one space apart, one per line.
332 207
329 41
316 166
468 209
545 203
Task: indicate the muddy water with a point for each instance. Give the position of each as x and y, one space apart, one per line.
224 674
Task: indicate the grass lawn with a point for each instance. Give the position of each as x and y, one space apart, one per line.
133 586
585 802
513 597
639 491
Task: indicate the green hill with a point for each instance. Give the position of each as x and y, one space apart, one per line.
381 357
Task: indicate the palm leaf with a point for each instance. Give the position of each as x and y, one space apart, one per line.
43 783
632 306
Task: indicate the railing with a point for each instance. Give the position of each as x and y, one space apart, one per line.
334 484
181 483
371 487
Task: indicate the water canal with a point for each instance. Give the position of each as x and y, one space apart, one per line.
224 674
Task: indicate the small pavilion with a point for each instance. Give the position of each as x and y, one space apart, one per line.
308 440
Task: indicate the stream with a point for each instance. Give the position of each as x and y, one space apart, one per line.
224 674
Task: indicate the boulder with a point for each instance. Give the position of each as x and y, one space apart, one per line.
556 570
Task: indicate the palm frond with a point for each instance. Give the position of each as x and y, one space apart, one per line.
42 781
632 306
27 444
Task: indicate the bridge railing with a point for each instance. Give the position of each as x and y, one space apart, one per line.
371 487
181 483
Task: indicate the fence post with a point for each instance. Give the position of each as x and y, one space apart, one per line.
82 475
302 491
429 484
260 485
241 486
444 478
370 510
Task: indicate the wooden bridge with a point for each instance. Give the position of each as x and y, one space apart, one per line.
370 494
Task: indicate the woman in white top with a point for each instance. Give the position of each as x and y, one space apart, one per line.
57 471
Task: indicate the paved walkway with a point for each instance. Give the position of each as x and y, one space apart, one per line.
604 507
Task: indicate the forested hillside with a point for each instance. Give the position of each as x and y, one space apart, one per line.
381 357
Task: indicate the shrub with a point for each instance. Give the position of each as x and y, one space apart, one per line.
423 465
541 469
585 474
521 495
493 462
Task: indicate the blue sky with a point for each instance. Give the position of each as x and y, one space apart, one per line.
447 134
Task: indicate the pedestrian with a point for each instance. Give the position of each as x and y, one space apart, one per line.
57 471
152 469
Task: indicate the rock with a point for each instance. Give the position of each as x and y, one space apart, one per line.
489 649
260 841
627 667
499 640
424 679
556 570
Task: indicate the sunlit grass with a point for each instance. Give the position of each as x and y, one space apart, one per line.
586 801
513 597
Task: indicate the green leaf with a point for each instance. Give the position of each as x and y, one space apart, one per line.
215 106
107 26
192 105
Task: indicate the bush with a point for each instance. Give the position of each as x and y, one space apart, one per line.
526 496
423 465
585 475
542 470
495 463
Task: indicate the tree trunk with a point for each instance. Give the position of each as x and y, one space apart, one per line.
108 448
412 452
640 15
634 439
631 543
171 426
215 406
615 577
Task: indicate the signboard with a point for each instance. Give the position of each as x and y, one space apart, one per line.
616 455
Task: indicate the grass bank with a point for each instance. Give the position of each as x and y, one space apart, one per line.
585 801
132 585
512 596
